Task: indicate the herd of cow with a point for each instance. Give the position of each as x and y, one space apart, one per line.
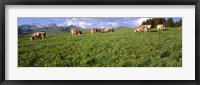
145 28
93 30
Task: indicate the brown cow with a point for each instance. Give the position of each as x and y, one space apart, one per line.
76 32
93 30
38 35
141 28
109 30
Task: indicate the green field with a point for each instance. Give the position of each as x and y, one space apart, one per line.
123 48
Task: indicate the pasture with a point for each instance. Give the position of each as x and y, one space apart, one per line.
122 48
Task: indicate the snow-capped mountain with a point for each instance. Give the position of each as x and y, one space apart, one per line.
36 25
31 26
50 28
52 25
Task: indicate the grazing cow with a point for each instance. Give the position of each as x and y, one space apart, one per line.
38 35
109 30
93 30
160 27
141 28
148 27
76 32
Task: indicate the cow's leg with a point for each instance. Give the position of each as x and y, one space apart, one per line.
146 29
42 37
34 38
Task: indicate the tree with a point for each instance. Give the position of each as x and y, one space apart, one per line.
143 23
163 21
157 21
169 22
180 23
166 22
176 24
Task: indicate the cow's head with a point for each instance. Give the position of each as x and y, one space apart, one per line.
112 30
80 32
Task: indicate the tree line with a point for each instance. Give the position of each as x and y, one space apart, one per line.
166 22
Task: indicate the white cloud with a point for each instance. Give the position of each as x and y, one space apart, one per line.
69 23
125 18
76 22
140 20
74 18
84 24
114 24
95 22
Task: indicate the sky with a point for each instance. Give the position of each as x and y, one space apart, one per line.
88 22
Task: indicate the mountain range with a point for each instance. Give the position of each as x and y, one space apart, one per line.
50 28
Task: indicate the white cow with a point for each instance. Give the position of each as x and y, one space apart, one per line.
148 26
160 27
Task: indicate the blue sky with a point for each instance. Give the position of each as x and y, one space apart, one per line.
88 22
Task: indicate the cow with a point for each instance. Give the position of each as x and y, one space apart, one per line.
76 31
109 30
141 28
160 27
148 27
94 30
38 35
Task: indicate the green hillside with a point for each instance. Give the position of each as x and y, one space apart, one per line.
123 48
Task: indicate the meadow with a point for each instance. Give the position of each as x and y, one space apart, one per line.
122 48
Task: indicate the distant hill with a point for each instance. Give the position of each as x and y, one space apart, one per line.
52 28
122 27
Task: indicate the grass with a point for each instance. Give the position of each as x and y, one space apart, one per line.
123 48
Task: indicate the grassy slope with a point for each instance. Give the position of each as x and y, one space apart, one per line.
121 48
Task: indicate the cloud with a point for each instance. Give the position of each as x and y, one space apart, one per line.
103 22
69 23
140 20
113 24
88 22
77 22
74 18
84 24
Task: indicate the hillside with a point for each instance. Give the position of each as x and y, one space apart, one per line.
123 48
